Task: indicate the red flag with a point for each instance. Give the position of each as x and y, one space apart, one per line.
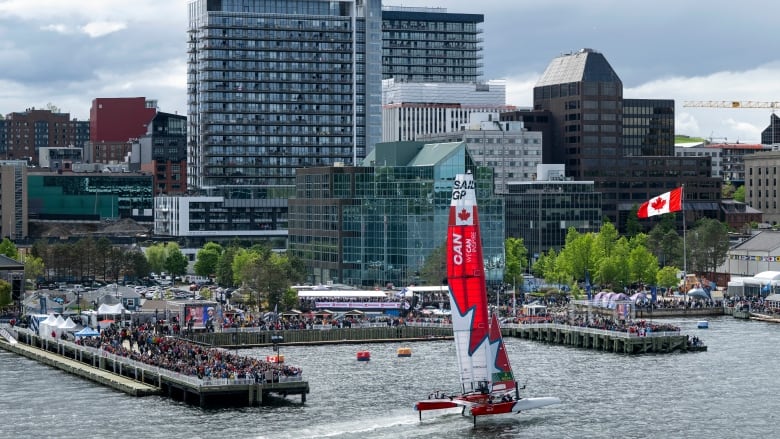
664 203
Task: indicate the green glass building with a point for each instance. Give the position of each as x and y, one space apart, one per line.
90 197
377 224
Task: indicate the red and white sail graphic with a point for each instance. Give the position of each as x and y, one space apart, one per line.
466 280
501 375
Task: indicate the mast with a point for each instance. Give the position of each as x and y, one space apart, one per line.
466 282
685 250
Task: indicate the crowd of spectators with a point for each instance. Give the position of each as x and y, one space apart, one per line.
145 345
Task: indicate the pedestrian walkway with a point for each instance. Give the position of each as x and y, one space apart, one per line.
107 378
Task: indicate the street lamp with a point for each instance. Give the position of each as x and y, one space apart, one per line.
276 339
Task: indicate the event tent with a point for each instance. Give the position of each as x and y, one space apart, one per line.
87 332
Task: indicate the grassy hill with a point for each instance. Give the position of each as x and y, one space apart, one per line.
681 138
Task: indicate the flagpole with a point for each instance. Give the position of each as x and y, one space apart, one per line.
685 251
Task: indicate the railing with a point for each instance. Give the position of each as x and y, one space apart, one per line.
588 330
167 373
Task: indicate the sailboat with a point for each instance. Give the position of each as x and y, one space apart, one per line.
488 386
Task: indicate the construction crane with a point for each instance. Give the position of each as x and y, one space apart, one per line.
732 104
739 104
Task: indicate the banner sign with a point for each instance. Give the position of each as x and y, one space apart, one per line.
358 305
754 258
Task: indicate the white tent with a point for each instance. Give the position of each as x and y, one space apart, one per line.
68 325
45 327
111 309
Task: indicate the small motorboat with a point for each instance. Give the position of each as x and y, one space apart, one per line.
703 324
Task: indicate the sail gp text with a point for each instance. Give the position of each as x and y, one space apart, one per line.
460 187
459 248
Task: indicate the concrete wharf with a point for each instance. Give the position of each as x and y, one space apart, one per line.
140 379
574 336
602 340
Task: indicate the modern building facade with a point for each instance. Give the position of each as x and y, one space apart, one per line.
508 148
60 158
771 134
13 199
761 183
377 224
414 110
162 152
542 211
431 45
114 124
727 158
276 86
89 197
628 163
32 129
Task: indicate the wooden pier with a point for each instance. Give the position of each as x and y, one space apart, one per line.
139 379
603 340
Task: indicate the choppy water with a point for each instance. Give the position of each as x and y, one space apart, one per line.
728 392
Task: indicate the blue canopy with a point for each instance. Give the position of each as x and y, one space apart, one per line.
87 332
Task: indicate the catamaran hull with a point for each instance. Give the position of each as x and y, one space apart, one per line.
482 408
534 403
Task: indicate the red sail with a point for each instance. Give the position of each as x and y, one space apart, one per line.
466 280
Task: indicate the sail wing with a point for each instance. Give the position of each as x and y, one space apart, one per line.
501 376
466 280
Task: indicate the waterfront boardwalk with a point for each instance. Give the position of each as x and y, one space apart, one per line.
140 379
603 340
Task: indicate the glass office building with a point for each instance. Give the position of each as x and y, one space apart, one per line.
541 212
89 197
377 224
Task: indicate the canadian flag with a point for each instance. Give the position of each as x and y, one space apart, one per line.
664 203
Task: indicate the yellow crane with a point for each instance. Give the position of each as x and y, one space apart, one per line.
732 104
739 104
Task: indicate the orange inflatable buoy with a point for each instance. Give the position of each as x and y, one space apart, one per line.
404 352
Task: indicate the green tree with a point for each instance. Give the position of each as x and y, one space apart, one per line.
137 263
33 268
155 254
582 253
434 269
739 194
614 270
607 238
5 294
643 266
708 245
516 259
290 299
207 259
8 248
242 265
225 266
667 277
727 190
175 261
633 226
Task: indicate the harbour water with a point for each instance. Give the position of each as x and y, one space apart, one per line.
730 391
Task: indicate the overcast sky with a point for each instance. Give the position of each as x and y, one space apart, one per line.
67 52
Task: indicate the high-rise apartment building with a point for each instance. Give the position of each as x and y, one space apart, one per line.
13 199
431 45
278 85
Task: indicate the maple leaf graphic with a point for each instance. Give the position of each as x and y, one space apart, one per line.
658 203
463 215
